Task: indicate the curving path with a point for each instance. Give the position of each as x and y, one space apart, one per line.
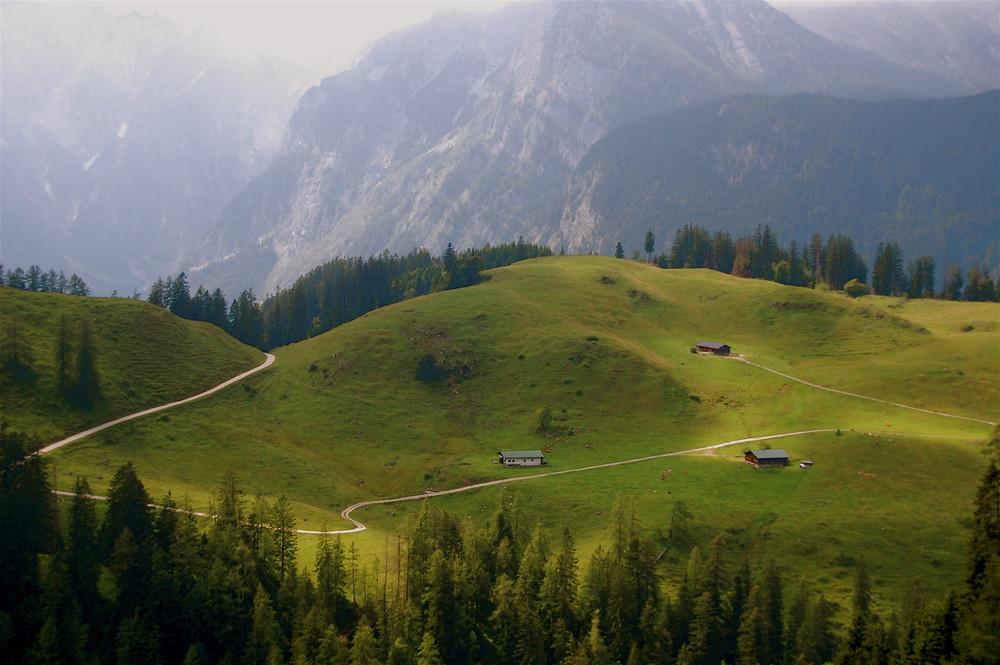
359 526
268 361
871 399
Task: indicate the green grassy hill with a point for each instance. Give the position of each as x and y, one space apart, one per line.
145 356
604 344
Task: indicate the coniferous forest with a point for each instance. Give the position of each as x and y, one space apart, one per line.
128 583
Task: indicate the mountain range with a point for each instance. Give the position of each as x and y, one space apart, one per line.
123 138
467 129
920 173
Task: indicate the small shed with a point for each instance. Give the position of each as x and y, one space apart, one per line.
713 347
763 459
521 457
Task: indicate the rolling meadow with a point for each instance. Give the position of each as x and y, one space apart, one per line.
590 359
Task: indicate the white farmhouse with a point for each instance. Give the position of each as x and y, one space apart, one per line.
521 457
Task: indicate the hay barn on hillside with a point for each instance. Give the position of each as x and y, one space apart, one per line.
713 347
763 459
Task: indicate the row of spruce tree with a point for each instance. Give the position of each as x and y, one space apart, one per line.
159 586
832 263
335 292
36 279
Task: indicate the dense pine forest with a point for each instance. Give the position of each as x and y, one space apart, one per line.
123 582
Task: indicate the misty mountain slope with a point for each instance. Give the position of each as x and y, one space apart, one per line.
466 129
921 173
122 138
959 39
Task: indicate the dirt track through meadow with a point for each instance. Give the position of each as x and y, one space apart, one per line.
872 399
268 361
360 526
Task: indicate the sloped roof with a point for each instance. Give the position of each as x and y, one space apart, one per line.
773 453
711 345
520 454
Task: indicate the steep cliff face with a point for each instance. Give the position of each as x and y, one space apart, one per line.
466 129
123 138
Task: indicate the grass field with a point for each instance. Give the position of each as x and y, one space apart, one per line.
605 344
899 502
145 357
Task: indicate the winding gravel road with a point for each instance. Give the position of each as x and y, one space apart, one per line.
359 526
871 399
268 361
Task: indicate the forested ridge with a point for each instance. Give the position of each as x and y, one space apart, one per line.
160 586
923 171
343 289
335 292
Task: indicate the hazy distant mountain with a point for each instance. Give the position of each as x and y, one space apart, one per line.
958 39
467 129
921 173
122 139
128 149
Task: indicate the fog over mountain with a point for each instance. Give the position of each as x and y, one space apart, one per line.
130 150
467 129
123 138
958 39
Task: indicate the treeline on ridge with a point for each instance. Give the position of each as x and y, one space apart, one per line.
43 281
157 586
343 289
833 263
335 292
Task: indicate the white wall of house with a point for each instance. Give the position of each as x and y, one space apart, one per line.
524 461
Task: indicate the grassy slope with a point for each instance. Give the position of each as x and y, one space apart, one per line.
605 344
145 357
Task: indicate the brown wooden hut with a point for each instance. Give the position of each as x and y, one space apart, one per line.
713 347
763 459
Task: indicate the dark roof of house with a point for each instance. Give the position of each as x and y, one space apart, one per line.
711 345
520 454
773 453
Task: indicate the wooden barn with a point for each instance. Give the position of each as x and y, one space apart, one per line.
763 459
521 457
713 347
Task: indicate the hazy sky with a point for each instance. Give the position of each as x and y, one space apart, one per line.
323 35
313 33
